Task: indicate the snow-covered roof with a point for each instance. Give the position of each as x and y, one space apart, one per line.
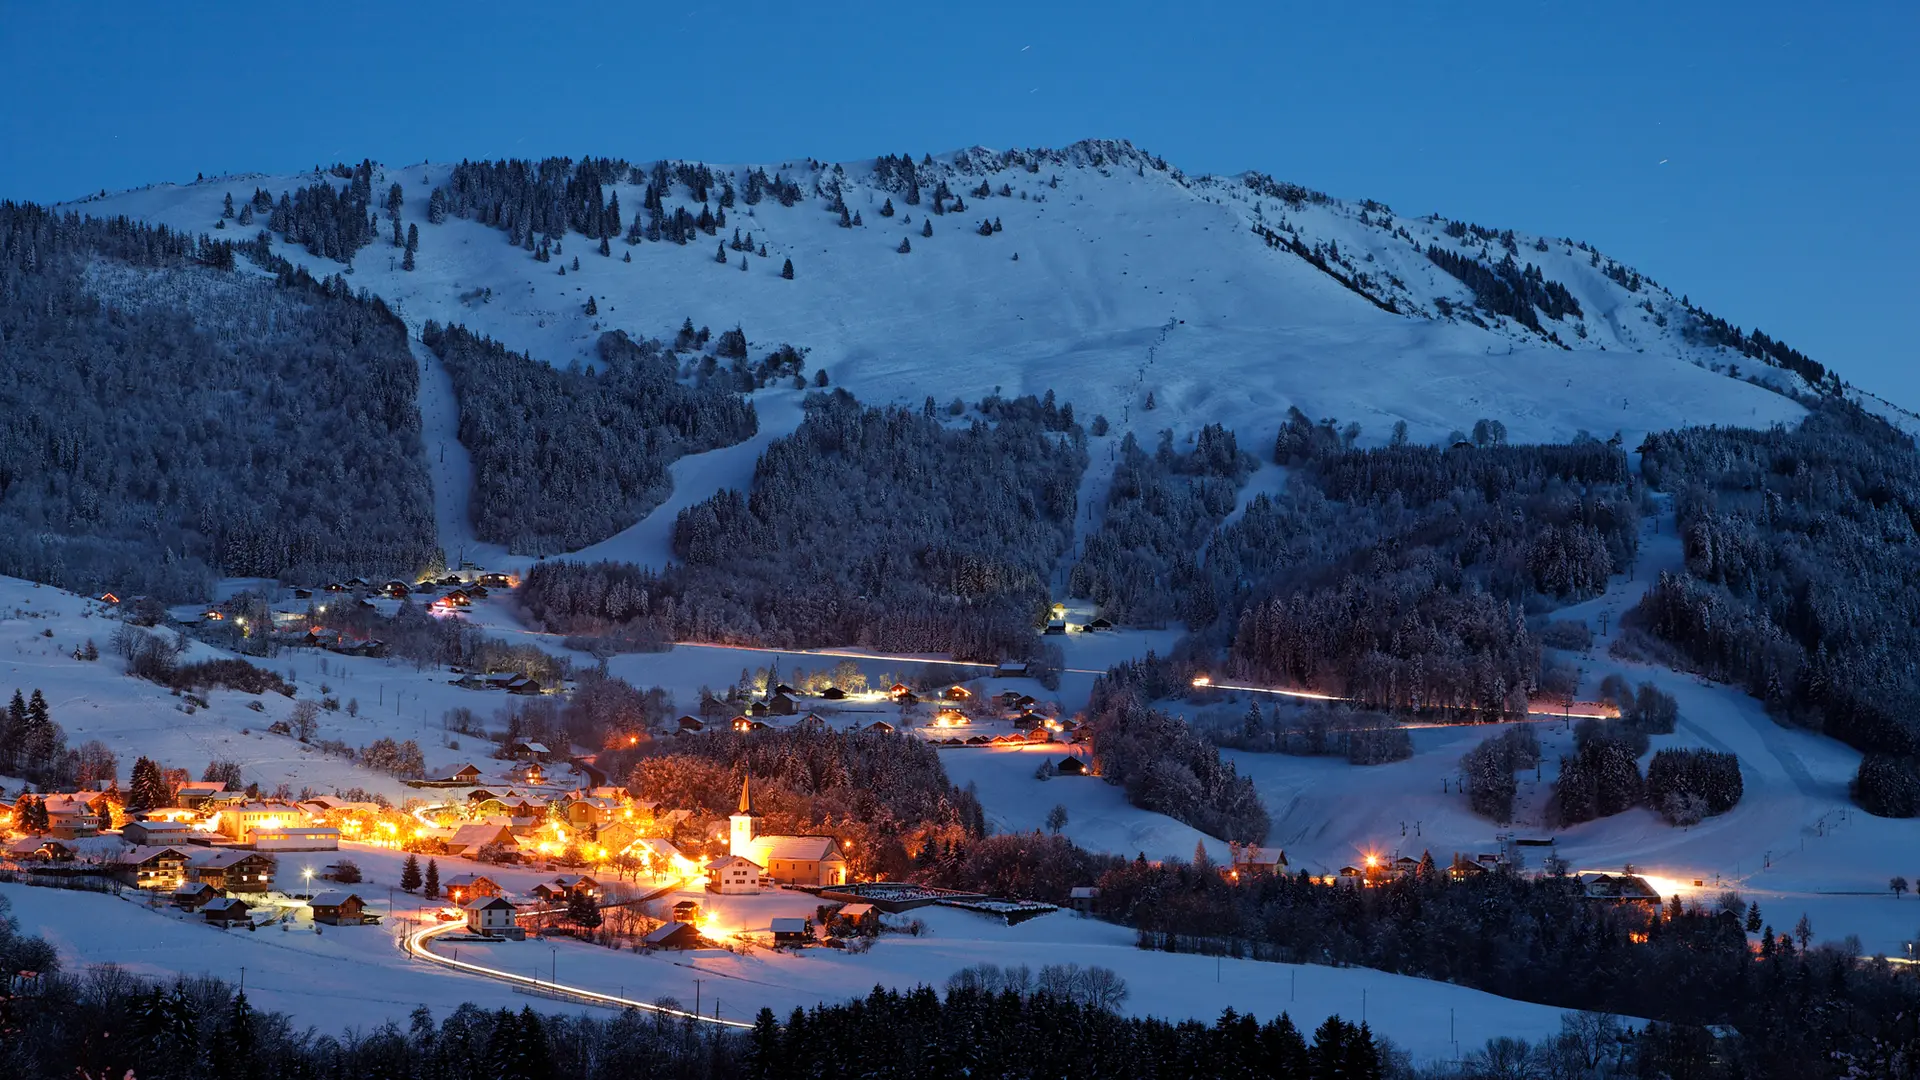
138 856
220 858
800 848
666 931
332 898
789 926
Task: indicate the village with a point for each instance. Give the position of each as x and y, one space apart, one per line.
541 864
536 838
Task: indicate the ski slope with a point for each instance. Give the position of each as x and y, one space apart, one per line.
1130 281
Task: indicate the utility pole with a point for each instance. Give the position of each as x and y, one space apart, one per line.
696 997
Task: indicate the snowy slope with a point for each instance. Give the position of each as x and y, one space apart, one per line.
40 627
1129 280
1795 843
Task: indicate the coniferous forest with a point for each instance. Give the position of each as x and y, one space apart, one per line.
878 527
566 458
1800 582
1401 575
167 419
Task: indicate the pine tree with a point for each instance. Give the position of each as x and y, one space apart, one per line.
905 246
576 259
226 210
786 271
886 208
720 253
926 227
147 790
582 911
628 257
592 308
606 249
1753 918
410 873
432 880
413 239
406 260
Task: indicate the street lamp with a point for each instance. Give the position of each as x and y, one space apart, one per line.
307 873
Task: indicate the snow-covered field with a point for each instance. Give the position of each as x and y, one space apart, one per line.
1099 817
356 977
41 626
1795 843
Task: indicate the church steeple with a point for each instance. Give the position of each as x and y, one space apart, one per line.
740 825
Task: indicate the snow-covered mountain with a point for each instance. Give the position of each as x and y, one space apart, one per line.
1111 276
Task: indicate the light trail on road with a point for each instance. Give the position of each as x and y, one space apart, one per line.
1204 683
1543 714
416 945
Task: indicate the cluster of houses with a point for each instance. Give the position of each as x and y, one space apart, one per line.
955 709
205 814
512 682
291 629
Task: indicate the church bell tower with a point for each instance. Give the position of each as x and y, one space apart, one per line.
741 839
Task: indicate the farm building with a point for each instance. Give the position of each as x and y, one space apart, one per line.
673 935
338 909
225 911
467 887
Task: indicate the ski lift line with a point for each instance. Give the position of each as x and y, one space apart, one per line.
416 945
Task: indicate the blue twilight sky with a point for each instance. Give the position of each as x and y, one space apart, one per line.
1789 133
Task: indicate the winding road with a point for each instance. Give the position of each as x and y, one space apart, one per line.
416 946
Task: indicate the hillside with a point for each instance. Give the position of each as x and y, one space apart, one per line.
1130 280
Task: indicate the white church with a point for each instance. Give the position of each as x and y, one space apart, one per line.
781 860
